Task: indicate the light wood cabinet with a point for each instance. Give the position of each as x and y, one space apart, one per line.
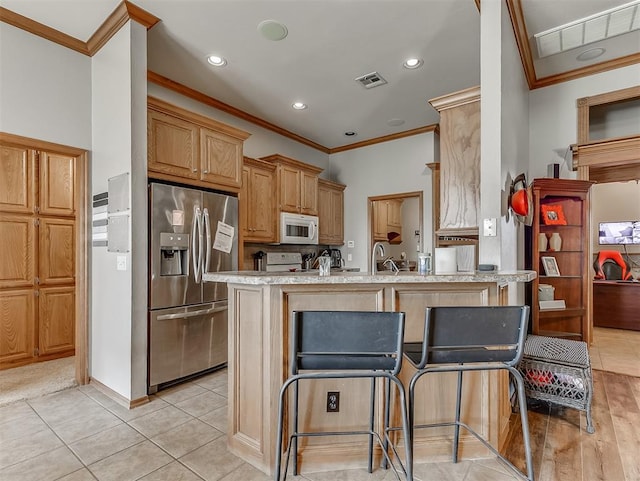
330 212
459 162
38 204
387 220
569 202
258 219
297 185
16 182
184 146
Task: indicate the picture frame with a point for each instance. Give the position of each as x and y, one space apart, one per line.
550 266
553 214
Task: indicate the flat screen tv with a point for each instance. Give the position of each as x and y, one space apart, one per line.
619 232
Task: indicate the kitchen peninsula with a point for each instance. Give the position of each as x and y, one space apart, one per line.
260 312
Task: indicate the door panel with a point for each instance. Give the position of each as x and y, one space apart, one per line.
56 320
57 251
221 158
17 323
172 145
16 179
57 184
17 255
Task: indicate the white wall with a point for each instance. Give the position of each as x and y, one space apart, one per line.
118 307
261 143
553 116
388 168
45 89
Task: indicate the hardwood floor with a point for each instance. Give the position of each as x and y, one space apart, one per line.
561 447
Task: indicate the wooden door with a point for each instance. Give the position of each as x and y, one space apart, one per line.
173 146
38 204
56 320
57 184
262 205
308 193
16 179
17 326
289 189
220 158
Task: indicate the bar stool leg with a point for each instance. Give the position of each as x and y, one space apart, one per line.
371 421
456 435
522 404
589 395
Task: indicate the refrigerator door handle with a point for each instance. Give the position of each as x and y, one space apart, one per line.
185 315
196 236
207 228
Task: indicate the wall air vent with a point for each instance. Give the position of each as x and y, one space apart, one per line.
370 80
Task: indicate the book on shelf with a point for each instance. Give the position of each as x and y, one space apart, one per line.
554 304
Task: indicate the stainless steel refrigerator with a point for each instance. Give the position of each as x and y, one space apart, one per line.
191 232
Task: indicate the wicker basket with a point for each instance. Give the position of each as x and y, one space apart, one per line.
558 371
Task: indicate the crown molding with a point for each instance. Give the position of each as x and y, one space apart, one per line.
43 31
124 12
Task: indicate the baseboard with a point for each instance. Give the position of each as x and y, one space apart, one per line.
119 398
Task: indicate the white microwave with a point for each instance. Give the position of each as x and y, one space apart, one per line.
298 229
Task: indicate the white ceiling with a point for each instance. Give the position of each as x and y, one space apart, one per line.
330 43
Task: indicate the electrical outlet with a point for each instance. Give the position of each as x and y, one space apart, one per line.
333 401
490 229
351 244
121 263
349 257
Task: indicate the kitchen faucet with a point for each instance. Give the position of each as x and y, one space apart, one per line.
393 266
376 247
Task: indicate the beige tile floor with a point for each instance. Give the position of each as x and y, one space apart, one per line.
80 434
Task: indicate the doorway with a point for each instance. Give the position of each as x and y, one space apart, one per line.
43 282
396 220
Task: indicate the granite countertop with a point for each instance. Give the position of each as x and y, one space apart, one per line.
261 277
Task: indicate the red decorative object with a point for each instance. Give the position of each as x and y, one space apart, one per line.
552 214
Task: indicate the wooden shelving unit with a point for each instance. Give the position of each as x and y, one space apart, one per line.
571 197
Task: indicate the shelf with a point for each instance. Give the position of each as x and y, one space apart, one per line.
567 312
562 334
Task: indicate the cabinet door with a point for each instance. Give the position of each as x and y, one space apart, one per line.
16 179
289 189
337 206
17 255
262 212
172 145
57 184
220 158
308 193
243 203
56 320
331 215
57 251
17 324
380 220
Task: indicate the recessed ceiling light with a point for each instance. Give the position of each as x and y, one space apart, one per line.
216 60
412 63
350 133
395 122
299 105
272 30
590 54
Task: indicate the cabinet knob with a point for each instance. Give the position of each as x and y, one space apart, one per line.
205 171
194 170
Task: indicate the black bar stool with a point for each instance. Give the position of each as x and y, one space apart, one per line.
462 339
346 344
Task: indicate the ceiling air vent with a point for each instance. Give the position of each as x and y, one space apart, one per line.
370 80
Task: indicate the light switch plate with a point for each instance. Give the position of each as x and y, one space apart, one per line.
121 263
490 227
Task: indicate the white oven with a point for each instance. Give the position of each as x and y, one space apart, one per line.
298 229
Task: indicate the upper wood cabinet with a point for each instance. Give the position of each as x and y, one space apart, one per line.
330 212
258 219
183 146
17 188
387 220
459 161
57 184
297 185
